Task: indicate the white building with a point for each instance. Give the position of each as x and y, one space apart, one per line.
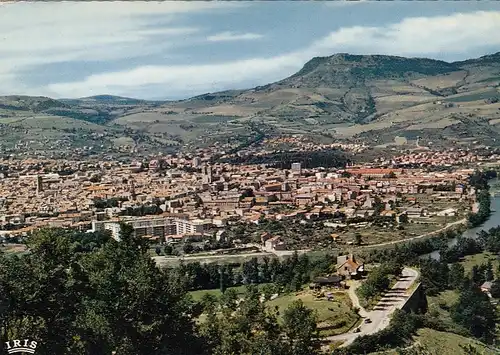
297 168
196 162
154 226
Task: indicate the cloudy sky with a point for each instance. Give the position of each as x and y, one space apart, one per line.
173 50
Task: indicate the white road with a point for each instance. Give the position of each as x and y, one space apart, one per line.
161 260
380 315
462 221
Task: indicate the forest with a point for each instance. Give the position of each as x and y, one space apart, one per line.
85 293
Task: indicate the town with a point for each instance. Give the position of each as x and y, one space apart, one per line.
299 231
196 205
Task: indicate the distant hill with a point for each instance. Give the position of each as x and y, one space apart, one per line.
374 98
42 126
108 100
379 99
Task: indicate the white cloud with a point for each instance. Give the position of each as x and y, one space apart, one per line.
458 33
183 79
34 34
341 3
232 36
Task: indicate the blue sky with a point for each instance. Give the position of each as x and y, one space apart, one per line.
173 50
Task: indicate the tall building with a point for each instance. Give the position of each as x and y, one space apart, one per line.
39 184
207 174
155 226
133 194
297 168
196 162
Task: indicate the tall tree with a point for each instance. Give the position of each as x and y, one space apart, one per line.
475 312
489 276
495 289
299 324
456 276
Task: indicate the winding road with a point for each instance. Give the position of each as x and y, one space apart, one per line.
380 316
162 260
461 221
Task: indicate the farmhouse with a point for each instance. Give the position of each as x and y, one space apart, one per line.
348 267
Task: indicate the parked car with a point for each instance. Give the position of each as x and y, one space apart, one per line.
368 320
357 330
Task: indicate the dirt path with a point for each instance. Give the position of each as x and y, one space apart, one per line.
353 285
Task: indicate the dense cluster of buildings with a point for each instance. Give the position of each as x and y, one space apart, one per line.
450 157
175 197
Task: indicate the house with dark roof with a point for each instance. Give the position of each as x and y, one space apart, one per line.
332 281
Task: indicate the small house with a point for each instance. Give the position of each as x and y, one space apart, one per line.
348 267
332 281
274 243
486 288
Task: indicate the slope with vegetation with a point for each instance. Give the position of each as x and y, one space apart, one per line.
378 99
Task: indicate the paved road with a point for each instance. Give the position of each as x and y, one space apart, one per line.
462 221
280 253
380 315
162 259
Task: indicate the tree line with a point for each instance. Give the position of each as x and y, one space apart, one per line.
85 293
379 280
289 274
326 158
479 181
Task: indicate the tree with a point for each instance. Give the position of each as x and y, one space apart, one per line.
265 270
247 193
434 276
111 297
376 282
46 285
210 329
495 289
489 276
229 300
478 275
268 290
358 239
392 267
222 279
456 276
250 328
299 324
168 249
187 248
274 269
474 312
250 271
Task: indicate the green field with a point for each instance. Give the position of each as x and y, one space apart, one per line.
478 259
474 96
198 295
444 343
334 317
433 342
213 119
439 307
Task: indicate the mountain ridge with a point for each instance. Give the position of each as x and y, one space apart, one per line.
372 98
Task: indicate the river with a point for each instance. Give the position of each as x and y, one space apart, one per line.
493 221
